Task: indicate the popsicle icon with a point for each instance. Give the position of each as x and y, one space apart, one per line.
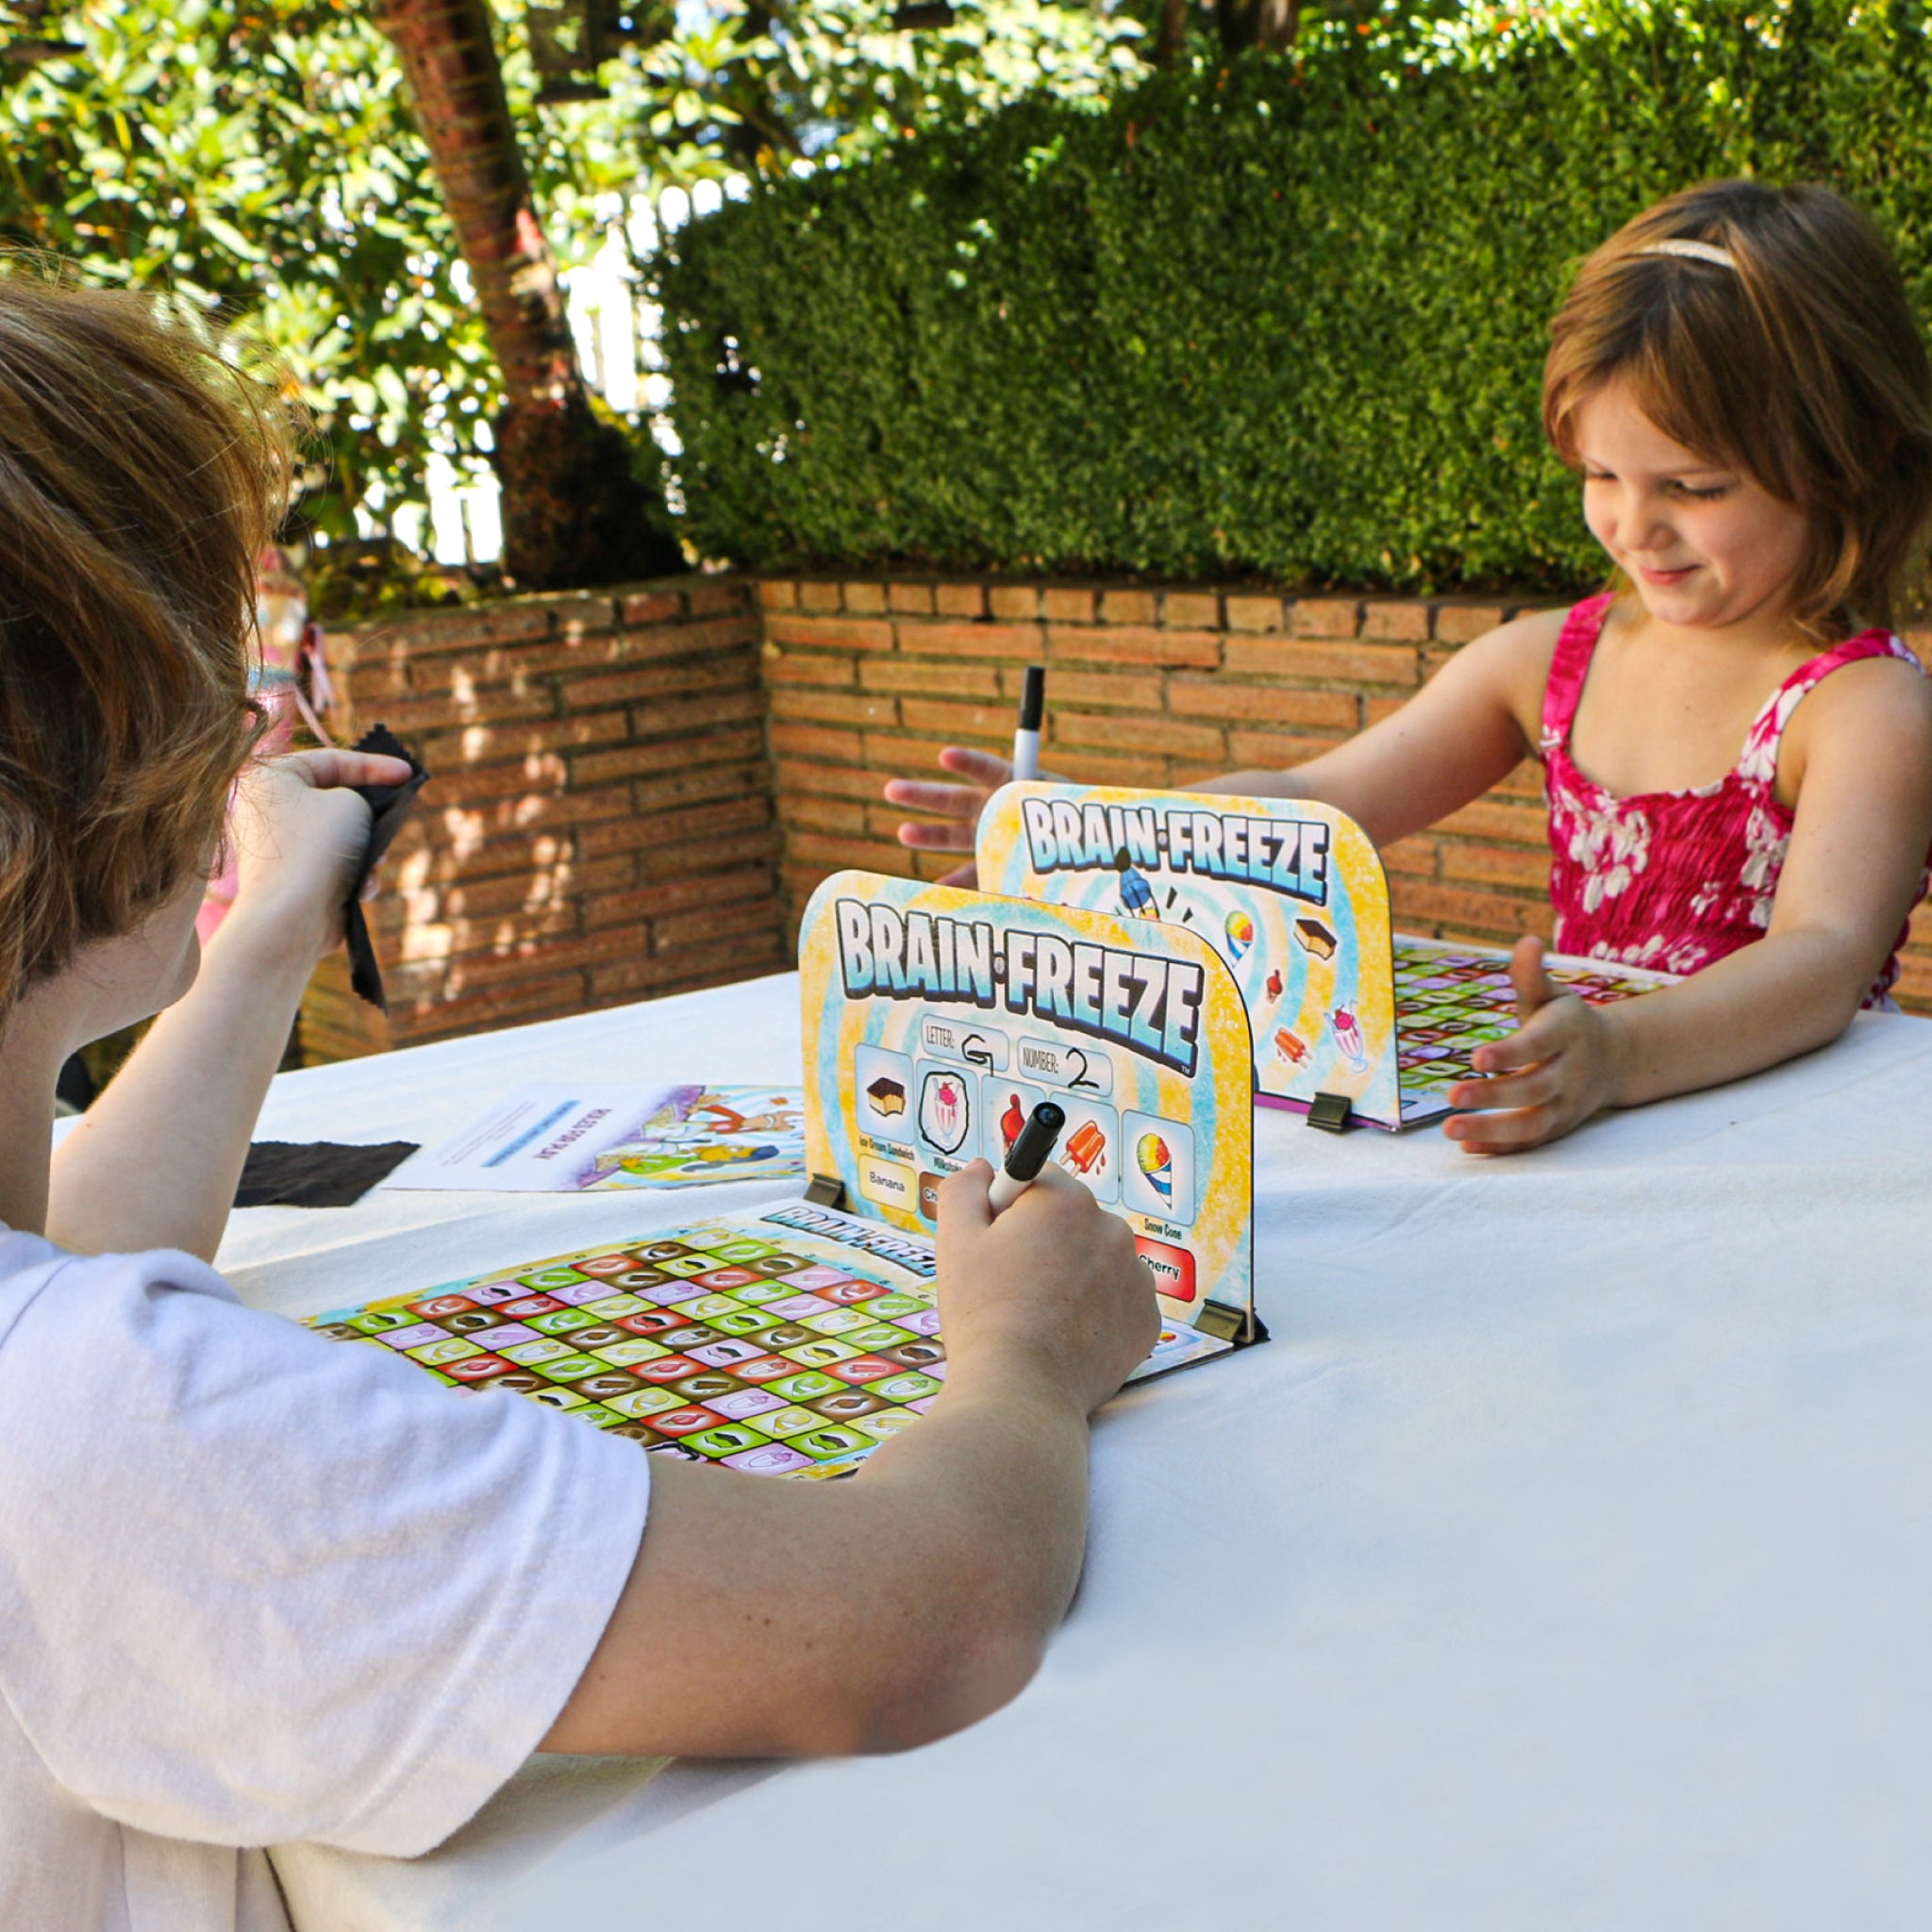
1157 1165
1087 1148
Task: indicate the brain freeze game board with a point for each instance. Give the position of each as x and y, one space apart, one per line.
1293 897
792 1340
936 1020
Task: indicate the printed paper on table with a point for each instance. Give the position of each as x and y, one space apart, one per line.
556 1137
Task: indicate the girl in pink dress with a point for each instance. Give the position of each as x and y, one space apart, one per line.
1736 752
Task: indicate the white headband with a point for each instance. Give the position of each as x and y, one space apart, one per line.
1694 251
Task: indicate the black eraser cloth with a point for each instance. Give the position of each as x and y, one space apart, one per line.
389 804
315 1174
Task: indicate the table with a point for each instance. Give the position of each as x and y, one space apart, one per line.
1564 1561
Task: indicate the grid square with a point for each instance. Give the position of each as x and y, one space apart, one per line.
864 1368
769 1458
562 1322
685 1422
765 1368
885 1422
828 1441
728 1439
744 1402
848 1404
573 1368
632 1349
804 1386
702 1387
837 1322
796 1308
789 1421
667 1368
479 1367
819 1353
607 1308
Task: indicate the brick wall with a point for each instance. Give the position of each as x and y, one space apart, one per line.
603 827
1152 687
600 827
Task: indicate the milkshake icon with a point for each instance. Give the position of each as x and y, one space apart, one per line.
1348 1037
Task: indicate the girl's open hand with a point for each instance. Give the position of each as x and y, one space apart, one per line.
1550 1075
956 806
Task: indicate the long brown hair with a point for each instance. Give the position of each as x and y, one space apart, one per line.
139 474
1797 361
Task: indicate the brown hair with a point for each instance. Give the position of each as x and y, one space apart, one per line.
139 473
1800 365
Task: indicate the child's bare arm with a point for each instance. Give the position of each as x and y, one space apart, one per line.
883 1612
154 1162
1852 872
1465 729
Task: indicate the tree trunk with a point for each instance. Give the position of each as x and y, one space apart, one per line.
1271 24
573 509
1174 33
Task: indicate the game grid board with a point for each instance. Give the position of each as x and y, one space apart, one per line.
1450 1000
743 1341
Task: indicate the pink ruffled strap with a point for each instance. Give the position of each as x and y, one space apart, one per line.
1570 665
1766 735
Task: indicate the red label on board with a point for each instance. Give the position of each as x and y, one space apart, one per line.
1173 1268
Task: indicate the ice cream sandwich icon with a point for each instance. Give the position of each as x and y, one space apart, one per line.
888 1096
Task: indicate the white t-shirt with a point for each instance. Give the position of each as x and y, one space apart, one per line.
256 1587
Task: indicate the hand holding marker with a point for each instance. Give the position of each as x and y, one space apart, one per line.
1032 715
1027 1155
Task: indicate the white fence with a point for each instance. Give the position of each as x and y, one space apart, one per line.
616 332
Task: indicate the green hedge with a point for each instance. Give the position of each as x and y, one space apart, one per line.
1279 318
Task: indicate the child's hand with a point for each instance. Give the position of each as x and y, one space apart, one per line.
1055 1281
1550 1075
958 805
299 835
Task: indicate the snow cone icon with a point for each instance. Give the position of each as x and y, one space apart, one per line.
1241 936
1137 895
1156 1163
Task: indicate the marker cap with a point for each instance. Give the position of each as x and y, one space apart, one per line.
1033 699
1035 1141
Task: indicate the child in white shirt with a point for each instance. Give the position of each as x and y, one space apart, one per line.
256 1587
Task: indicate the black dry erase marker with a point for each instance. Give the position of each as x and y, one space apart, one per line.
1027 1155
1032 715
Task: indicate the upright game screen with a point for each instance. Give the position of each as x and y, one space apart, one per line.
1292 896
1290 893
935 1019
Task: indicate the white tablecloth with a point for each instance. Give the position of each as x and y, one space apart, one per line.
1564 1561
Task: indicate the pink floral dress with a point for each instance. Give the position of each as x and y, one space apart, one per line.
1675 880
